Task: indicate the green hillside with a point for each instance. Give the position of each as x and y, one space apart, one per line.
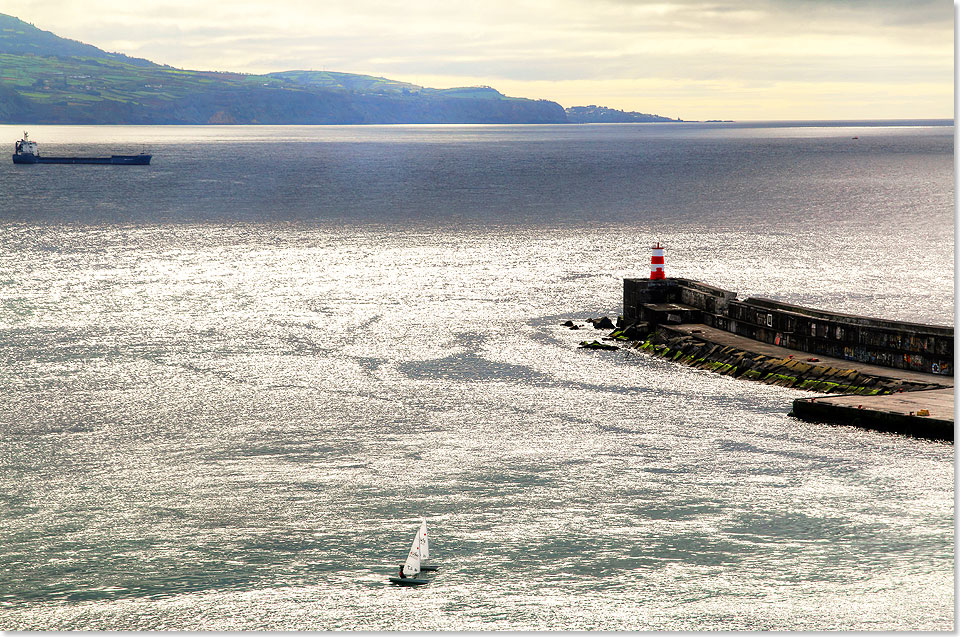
48 79
345 82
381 85
62 79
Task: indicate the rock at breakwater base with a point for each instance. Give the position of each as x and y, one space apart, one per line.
602 323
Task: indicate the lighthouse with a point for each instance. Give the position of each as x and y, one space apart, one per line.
656 263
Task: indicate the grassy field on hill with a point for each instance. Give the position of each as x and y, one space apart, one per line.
61 80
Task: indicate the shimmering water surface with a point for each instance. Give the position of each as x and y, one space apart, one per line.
234 380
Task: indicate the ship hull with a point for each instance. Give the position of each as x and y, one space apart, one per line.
115 160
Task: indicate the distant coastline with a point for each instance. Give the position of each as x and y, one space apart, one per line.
46 79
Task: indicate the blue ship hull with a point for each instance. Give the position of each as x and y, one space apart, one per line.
115 160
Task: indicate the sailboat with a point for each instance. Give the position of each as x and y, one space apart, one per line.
411 568
425 547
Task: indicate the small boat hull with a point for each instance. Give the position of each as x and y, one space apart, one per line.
408 581
429 568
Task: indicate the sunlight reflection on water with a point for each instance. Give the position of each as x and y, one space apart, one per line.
214 426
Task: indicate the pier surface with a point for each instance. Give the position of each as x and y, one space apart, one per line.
900 413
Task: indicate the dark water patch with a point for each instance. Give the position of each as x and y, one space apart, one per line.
303 346
776 527
696 550
470 367
168 513
16 506
52 428
110 570
45 346
508 481
292 450
576 462
46 531
158 584
684 511
369 363
213 372
617 429
265 548
574 419
597 556
473 368
739 445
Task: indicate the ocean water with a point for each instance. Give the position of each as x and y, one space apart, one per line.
235 380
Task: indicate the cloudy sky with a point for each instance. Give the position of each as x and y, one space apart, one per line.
694 59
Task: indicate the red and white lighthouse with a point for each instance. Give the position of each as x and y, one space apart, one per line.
656 263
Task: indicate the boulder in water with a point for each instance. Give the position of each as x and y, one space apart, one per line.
603 323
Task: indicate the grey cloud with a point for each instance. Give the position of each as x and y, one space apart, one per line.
829 16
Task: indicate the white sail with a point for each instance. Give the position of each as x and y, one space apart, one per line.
424 541
412 566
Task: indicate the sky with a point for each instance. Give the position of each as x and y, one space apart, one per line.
692 59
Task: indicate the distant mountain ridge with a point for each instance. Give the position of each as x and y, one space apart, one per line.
46 79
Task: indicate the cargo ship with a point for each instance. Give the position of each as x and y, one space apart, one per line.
26 152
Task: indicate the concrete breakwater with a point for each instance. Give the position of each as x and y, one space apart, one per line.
693 347
803 348
647 304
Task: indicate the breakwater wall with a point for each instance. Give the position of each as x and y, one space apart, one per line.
649 304
697 350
